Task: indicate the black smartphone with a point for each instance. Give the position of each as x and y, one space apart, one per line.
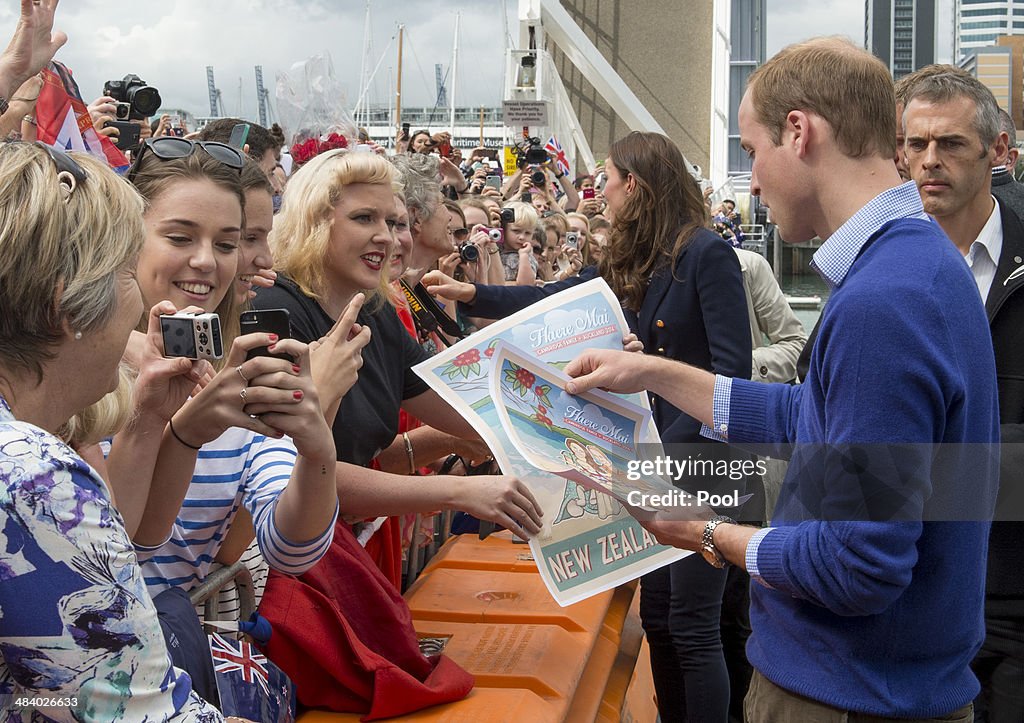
405 131
527 197
127 134
268 321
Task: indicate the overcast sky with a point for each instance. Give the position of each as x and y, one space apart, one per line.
170 42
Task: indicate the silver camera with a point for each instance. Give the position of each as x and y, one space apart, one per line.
572 238
193 336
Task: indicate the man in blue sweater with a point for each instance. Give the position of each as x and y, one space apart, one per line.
870 581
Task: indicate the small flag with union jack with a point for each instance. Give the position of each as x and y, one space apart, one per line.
250 686
555 149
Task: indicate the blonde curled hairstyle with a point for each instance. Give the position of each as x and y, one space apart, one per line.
301 236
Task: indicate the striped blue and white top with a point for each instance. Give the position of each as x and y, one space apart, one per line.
238 468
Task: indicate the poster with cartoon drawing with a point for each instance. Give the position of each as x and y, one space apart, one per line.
589 542
592 440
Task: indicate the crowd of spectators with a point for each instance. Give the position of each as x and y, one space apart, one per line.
130 474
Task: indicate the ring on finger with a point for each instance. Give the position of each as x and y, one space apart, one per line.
243 394
245 381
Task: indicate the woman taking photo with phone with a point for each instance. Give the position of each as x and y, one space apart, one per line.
682 291
78 630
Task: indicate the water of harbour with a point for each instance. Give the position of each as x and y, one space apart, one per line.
805 285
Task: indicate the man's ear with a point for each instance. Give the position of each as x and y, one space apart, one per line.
797 131
1000 149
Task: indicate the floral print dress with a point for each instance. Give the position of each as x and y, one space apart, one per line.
79 636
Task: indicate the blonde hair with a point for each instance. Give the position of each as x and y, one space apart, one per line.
588 238
831 77
104 418
525 215
52 241
557 222
302 230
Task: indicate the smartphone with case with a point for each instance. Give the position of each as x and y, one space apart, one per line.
494 182
268 321
588 193
239 135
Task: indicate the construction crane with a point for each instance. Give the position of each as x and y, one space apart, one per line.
262 98
216 102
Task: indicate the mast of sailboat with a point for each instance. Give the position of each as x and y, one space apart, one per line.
455 66
398 85
481 127
363 70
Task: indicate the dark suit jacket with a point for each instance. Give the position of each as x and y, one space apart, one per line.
1005 309
1008 191
695 313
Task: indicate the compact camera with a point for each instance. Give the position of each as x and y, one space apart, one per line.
572 239
468 252
142 100
508 215
497 235
193 336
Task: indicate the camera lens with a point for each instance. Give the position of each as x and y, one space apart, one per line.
145 100
469 252
538 178
495 234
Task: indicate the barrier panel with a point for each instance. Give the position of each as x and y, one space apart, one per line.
487 608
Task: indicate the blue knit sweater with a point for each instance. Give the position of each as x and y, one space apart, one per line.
879 617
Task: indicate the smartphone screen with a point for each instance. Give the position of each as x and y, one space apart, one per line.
270 321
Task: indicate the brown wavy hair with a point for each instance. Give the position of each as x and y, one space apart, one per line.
656 220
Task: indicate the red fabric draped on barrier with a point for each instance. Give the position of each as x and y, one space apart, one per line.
344 635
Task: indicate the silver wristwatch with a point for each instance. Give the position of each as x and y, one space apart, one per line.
707 542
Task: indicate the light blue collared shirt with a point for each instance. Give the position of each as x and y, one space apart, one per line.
832 261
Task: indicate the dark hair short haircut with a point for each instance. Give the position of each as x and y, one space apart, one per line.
260 139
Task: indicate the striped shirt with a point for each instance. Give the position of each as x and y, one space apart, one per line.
238 468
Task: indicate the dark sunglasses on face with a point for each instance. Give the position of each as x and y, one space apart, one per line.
170 147
460 234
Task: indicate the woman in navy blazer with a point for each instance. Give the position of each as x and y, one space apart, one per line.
682 292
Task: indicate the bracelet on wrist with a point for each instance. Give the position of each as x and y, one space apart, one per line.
409 452
30 119
170 423
4 105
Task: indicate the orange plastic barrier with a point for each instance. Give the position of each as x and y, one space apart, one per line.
533 660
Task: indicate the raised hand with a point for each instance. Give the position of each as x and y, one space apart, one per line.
33 45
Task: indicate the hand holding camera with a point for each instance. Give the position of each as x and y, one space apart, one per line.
163 383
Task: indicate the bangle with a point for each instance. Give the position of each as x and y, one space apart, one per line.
4 105
30 119
493 251
409 453
170 423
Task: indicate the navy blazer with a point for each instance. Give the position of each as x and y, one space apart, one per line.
696 313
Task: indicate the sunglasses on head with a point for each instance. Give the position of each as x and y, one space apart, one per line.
69 173
168 148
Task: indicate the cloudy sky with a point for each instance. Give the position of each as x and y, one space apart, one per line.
169 43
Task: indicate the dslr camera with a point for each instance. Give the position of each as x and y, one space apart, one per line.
135 99
468 252
193 336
